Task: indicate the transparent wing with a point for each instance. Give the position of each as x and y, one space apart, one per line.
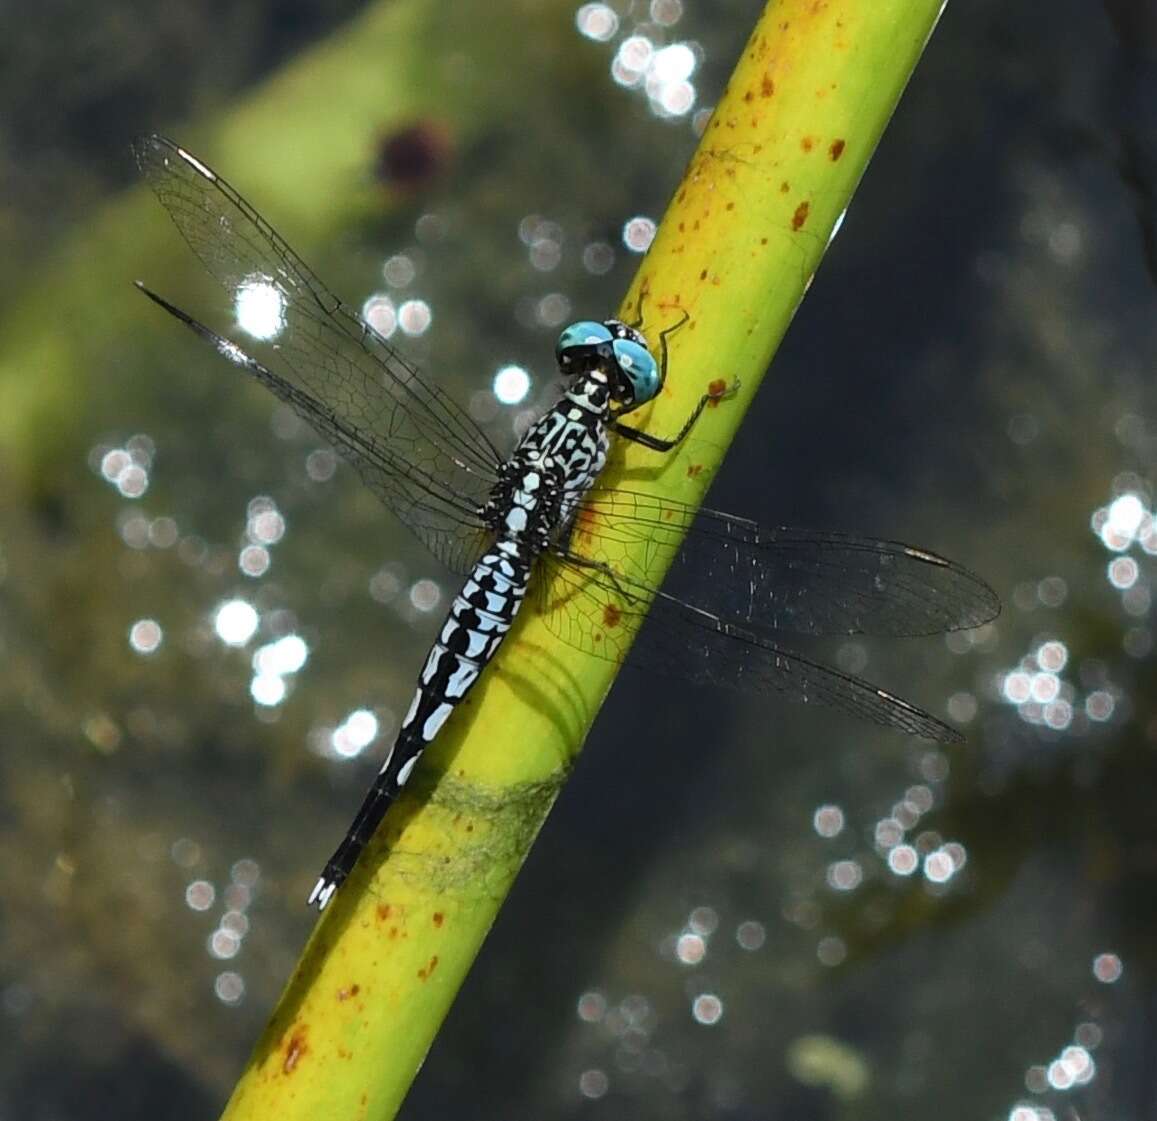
445 528
421 454
597 611
796 580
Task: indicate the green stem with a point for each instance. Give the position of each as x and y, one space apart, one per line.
737 248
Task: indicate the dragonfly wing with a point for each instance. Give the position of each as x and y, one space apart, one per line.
796 580
426 509
420 453
598 612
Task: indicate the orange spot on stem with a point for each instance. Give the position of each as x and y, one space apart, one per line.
295 1051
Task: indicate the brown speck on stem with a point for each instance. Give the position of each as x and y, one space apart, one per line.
295 1051
836 150
800 215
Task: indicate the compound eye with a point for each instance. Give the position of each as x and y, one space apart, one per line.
638 368
621 331
586 332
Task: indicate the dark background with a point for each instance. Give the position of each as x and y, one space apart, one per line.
971 371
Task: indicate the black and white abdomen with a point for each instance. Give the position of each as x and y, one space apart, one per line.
479 618
537 492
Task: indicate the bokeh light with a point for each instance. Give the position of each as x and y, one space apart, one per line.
828 821
511 385
599 22
259 307
638 233
415 317
235 622
1107 968
355 733
145 636
381 314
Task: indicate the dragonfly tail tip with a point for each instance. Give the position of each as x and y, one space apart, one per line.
322 892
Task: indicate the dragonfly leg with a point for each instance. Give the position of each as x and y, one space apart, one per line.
661 444
600 567
636 324
665 334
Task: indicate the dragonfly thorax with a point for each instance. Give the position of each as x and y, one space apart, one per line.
554 465
617 351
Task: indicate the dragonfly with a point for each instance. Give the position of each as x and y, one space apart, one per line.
538 514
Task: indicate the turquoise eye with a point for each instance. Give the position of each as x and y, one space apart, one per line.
586 332
639 368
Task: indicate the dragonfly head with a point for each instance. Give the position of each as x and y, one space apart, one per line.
618 350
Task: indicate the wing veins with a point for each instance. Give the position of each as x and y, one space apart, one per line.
797 580
187 193
722 652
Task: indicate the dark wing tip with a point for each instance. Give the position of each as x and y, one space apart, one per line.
948 734
978 602
912 719
982 604
160 301
145 147
154 151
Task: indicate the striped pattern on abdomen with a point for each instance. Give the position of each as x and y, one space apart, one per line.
480 616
